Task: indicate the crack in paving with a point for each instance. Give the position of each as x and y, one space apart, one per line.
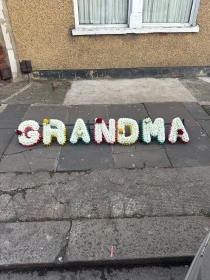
135 216
61 257
27 162
28 150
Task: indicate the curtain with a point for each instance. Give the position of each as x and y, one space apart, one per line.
161 11
103 11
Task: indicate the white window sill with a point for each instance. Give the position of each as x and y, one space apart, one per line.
126 30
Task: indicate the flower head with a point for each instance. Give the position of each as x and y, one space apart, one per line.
99 120
79 132
18 132
180 131
121 130
45 121
147 120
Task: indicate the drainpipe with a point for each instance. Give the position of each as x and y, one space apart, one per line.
9 43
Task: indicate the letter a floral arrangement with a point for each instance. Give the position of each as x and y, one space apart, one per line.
125 131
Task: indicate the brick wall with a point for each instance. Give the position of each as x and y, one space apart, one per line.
2 58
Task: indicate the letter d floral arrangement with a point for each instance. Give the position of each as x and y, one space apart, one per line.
125 131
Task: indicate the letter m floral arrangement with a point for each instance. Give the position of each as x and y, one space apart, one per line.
125 131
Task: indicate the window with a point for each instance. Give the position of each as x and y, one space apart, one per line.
134 16
103 11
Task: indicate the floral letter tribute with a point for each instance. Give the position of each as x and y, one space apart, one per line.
177 130
28 133
134 131
80 132
154 130
48 132
102 131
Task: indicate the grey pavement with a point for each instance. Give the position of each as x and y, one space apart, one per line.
96 242
68 205
93 157
105 194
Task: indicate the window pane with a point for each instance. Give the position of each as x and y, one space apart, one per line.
103 11
174 11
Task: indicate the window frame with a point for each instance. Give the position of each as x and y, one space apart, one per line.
135 24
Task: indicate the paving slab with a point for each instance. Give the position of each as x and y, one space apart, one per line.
199 88
113 193
2 107
206 79
153 158
5 136
138 146
32 244
38 156
145 240
133 111
13 115
14 163
124 91
42 163
15 147
7 212
11 182
85 157
196 111
168 111
48 152
205 124
42 93
9 89
40 112
194 153
86 112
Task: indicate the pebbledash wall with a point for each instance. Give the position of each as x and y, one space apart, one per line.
42 32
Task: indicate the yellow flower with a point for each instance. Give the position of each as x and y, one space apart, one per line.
45 121
121 130
147 120
79 132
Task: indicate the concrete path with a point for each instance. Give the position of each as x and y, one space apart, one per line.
106 194
63 205
117 241
127 91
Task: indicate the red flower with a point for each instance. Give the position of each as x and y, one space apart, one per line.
99 120
180 131
18 132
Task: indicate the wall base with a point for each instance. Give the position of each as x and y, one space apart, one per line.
121 73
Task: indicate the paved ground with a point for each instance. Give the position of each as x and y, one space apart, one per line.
140 91
71 204
93 157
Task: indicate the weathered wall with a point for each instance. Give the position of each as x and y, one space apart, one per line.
41 31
